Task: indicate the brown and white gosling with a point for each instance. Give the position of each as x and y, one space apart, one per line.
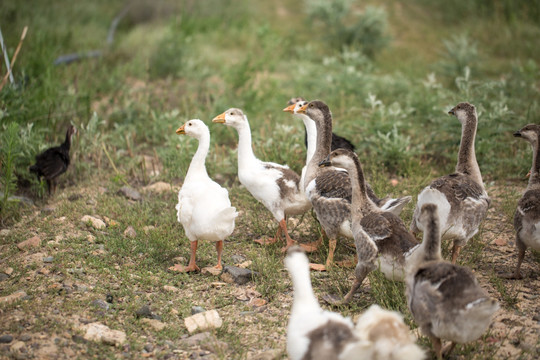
445 300
317 334
462 191
381 238
527 216
329 188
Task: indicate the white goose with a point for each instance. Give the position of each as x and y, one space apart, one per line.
276 186
527 216
203 208
317 334
463 191
445 299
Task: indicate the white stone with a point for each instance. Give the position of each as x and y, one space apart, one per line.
156 324
203 321
13 297
99 332
159 187
95 222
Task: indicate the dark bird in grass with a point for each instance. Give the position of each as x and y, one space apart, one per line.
54 161
338 142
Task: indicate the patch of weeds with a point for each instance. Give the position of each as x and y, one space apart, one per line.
508 290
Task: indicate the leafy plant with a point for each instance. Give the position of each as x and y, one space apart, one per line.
8 152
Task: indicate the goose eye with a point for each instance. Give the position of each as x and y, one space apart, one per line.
189 124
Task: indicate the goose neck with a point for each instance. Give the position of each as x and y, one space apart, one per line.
197 165
361 203
311 131
245 150
534 179
467 163
304 298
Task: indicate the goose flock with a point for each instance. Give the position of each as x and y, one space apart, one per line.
445 300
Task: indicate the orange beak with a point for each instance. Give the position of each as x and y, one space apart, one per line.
303 109
290 108
220 119
181 130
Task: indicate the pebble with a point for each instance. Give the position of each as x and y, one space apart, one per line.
237 259
91 202
170 288
149 347
130 193
203 321
101 304
156 324
197 309
6 339
48 259
145 312
74 197
235 274
18 295
93 221
25 337
17 346
48 210
159 187
8 270
3 276
99 332
4 232
130 232
32 242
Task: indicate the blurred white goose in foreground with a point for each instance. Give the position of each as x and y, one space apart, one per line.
381 238
445 299
204 208
317 334
527 216
463 191
276 186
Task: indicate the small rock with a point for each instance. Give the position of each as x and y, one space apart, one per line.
211 270
267 355
18 295
4 232
197 309
203 321
8 271
48 259
235 274
3 276
149 347
109 298
156 324
101 304
90 238
170 288
94 222
33 242
500 242
25 337
245 264
237 259
48 210
91 202
257 302
110 222
44 271
99 332
17 346
159 187
6 339
130 193
148 228
394 182
147 313
130 232
74 197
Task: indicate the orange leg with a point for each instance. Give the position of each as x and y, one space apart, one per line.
290 242
219 248
455 253
270 241
191 266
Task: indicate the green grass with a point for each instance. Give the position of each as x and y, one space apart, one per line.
189 59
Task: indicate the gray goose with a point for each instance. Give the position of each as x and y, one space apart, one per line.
317 334
276 186
380 237
329 188
445 300
527 216
463 191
